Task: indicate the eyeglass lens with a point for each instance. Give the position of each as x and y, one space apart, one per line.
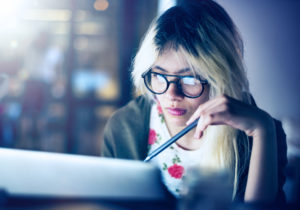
189 85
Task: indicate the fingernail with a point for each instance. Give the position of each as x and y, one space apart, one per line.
188 122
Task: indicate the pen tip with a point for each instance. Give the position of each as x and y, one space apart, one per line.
147 159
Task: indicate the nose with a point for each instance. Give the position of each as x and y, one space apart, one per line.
173 93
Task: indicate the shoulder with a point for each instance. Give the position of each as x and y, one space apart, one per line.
125 134
136 109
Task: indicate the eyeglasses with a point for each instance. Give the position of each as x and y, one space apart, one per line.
189 86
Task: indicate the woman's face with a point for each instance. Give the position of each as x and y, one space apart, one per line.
176 107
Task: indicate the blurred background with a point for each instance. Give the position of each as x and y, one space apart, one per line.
68 65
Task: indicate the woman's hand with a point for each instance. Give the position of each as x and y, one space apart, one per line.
262 182
225 110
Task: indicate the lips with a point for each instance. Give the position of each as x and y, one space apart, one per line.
176 111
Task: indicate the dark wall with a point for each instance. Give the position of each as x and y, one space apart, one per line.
271 33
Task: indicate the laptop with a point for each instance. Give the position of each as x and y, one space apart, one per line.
51 175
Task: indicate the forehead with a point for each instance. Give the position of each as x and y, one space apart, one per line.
172 61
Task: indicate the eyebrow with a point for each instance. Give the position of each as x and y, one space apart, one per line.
178 72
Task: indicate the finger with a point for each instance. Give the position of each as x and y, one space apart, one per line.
224 105
202 126
198 132
203 108
217 118
208 106
229 112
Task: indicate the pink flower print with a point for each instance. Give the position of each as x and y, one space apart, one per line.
152 137
176 171
160 112
159 109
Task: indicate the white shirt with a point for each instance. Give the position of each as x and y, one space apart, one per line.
173 161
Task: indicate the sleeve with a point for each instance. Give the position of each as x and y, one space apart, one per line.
281 166
282 161
109 139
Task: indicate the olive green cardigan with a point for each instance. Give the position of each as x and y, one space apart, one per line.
126 132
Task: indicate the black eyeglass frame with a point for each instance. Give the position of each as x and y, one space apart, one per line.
177 83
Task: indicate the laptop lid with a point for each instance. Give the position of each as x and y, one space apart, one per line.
45 174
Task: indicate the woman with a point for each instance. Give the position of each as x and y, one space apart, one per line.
189 66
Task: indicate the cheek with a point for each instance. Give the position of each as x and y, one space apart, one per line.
195 103
204 97
160 99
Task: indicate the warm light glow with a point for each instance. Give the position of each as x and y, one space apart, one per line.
108 92
9 8
90 28
14 44
47 15
105 111
9 15
101 5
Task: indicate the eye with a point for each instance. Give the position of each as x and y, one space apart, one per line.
190 81
158 77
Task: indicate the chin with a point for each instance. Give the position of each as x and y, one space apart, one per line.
177 121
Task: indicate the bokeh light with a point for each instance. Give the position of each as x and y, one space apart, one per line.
101 5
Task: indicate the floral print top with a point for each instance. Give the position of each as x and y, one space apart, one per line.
173 161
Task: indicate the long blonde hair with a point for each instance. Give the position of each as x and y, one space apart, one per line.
204 34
